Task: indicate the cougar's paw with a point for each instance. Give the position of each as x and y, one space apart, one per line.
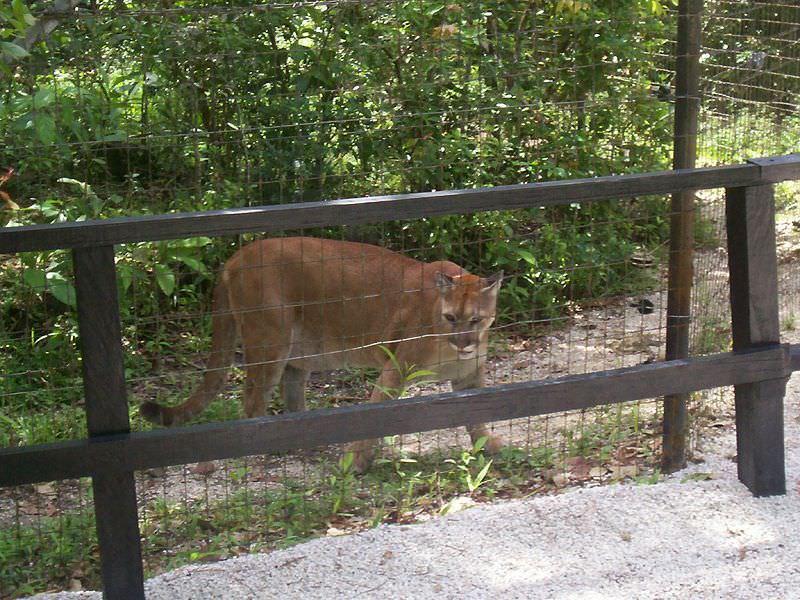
150 411
363 453
494 444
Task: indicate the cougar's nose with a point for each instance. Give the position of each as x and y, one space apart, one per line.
463 343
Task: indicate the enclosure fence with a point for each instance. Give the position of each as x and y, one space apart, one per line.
757 367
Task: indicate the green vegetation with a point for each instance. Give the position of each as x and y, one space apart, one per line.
208 105
263 508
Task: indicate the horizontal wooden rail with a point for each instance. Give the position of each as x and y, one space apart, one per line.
386 208
162 447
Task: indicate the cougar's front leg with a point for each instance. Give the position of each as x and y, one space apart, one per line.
386 387
476 379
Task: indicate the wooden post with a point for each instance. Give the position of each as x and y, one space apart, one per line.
750 216
681 270
115 507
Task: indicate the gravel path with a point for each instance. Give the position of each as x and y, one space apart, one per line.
682 538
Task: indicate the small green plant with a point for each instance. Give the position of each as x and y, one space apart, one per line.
409 375
699 476
713 334
472 467
789 322
648 479
341 482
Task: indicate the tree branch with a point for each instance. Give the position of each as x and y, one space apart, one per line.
44 26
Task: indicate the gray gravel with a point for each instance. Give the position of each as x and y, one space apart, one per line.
677 539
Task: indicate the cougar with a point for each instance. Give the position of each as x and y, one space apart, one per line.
301 305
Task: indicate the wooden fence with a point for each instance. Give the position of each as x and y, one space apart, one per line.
757 367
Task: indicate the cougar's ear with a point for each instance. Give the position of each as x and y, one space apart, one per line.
494 281
444 282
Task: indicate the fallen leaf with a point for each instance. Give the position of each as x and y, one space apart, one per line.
446 30
742 553
624 454
623 471
700 477
46 489
579 467
29 508
457 504
597 472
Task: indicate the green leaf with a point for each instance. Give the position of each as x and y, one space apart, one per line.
119 136
302 83
473 483
36 278
61 289
82 185
19 8
124 277
195 242
43 97
192 263
165 279
12 50
346 462
53 283
420 374
45 128
479 444
527 256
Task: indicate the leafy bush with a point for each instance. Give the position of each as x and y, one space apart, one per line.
211 106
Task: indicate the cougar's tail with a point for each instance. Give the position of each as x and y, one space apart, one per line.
223 351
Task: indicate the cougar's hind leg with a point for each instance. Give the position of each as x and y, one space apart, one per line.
293 388
265 361
262 374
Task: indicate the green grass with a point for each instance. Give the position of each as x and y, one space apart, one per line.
748 133
49 554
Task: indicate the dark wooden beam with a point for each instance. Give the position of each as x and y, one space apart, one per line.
116 512
368 210
681 242
778 168
182 445
752 258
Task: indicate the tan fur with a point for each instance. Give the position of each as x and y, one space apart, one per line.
302 304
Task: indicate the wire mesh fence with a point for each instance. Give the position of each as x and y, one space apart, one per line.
145 107
749 82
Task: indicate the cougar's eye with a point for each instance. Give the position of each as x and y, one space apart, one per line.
451 318
476 320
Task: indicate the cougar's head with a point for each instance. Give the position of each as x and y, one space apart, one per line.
468 306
